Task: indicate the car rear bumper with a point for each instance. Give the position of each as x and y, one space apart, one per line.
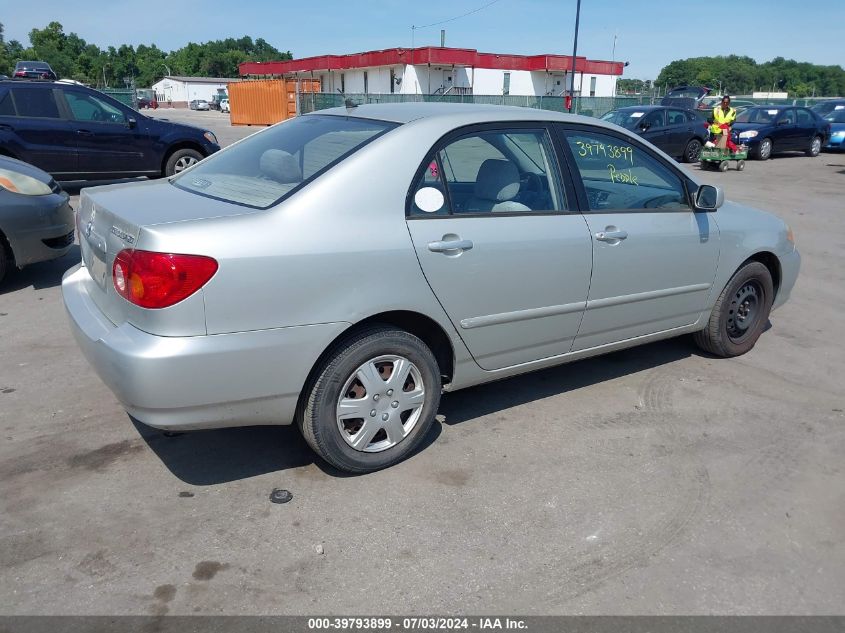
789 267
196 382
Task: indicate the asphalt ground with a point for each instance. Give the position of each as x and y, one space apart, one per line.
655 480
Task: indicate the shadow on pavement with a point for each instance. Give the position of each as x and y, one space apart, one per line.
472 403
204 458
41 275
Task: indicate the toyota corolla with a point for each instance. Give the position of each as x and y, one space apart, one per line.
341 269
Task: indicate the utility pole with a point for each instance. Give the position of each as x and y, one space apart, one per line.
613 63
574 53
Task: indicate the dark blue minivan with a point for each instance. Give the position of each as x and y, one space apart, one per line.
77 133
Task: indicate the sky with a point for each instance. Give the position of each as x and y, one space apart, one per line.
648 35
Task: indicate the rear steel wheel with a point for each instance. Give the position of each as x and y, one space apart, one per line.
372 400
380 403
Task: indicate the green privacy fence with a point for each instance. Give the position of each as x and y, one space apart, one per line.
590 106
126 97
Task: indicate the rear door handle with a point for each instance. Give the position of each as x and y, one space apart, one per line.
8 128
85 132
450 245
611 236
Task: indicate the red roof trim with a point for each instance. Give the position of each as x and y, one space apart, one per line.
434 56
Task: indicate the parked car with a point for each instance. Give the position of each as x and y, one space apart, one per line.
34 70
707 104
199 104
827 106
836 118
767 130
146 103
74 132
36 221
685 97
224 105
679 133
342 268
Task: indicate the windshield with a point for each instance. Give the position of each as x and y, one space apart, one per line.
758 115
625 118
261 170
837 116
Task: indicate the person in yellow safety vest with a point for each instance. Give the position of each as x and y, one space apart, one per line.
723 117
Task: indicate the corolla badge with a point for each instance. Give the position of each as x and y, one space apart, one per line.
122 235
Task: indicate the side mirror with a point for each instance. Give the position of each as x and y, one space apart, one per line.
131 123
644 126
709 198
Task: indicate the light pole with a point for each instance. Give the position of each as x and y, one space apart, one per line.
613 63
167 68
574 53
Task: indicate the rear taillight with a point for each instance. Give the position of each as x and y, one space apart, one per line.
159 280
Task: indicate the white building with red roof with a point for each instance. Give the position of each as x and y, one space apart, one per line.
435 70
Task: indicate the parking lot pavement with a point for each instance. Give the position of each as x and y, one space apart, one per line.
654 480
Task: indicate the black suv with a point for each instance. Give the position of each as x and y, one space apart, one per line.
77 133
34 70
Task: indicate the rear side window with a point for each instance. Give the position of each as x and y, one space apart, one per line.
262 170
497 171
805 117
7 108
89 108
36 102
619 175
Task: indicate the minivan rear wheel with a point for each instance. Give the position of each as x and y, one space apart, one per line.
180 160
372 400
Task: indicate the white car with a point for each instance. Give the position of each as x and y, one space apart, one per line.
224 105
199 104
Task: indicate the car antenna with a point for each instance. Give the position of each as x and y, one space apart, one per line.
349 103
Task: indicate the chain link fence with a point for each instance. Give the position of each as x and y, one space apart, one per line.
126 97
588 106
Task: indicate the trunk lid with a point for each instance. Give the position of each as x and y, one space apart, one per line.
111 218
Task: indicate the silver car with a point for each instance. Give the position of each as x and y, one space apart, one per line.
341 269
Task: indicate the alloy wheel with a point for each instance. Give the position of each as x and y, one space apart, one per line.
183 163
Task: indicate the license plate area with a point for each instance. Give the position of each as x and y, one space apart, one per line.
93 248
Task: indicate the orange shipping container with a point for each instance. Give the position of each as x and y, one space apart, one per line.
266 101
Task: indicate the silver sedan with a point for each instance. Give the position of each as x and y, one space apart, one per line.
341 269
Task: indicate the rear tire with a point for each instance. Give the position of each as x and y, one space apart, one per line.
394 417
181 159
740 313
6 263
692 151
815 147
723 166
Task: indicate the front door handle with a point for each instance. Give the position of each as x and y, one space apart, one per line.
612 235
448 246
85 132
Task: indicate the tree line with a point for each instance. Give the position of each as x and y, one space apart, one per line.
743 75
71 57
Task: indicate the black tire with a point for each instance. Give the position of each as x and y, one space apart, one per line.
815 147
180 159
317 416
727 334
761 153
692 151
6 260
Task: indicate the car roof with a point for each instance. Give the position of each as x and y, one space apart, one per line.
481 113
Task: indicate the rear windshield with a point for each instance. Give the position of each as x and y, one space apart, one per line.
758 115
263 169
625 118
